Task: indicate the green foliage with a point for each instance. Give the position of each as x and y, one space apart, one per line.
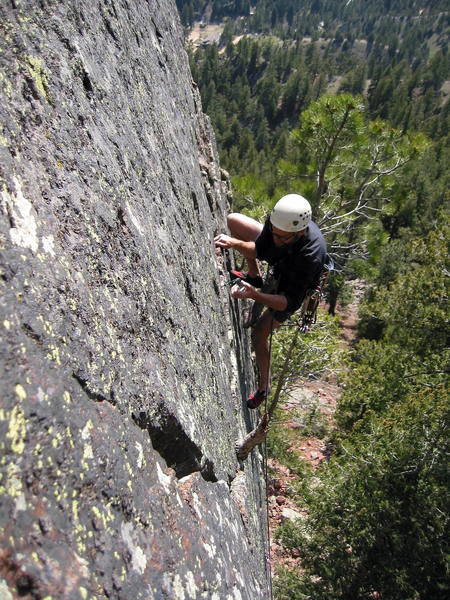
415 307
409 318
352 166
250 196
376 380
379 520
290 534
316 352
329 125
286 587
354 161
385 495
420 193
264 82
329 133
279 445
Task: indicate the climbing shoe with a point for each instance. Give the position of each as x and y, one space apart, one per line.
254 400
256 282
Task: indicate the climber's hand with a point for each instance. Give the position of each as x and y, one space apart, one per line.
243 290
225 241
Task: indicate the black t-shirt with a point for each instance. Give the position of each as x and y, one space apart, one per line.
297 266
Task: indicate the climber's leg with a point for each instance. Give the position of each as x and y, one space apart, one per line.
243 227
260 339
246 229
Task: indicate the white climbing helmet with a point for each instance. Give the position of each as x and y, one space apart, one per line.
291 213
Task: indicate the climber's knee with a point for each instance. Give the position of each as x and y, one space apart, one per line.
232 219
243 227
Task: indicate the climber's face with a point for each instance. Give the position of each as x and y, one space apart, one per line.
283 238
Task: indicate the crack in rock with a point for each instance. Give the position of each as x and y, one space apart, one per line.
174 445
85 387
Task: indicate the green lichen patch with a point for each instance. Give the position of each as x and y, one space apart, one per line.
39 75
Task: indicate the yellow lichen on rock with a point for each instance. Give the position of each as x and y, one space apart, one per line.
20 392
17 430
13 486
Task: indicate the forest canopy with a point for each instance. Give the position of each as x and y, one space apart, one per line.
348 104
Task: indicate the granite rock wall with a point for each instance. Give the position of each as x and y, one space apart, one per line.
123 361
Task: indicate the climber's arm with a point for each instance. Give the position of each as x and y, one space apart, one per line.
247 249
245 290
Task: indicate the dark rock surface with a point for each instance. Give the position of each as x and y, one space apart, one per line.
123 361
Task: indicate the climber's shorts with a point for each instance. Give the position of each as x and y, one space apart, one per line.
281 315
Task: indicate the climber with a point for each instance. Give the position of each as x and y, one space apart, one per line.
294 247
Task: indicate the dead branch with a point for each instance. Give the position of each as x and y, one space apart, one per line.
254 438
258 435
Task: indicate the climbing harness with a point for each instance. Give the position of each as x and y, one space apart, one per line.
310 304
269 286
307 314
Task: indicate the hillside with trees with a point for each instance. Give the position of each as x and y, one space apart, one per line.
347 103
255 89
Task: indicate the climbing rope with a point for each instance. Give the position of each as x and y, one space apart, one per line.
266 466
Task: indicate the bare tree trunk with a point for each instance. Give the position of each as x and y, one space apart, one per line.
283 375
254 438
259 434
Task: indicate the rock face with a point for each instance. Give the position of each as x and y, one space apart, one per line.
124 363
